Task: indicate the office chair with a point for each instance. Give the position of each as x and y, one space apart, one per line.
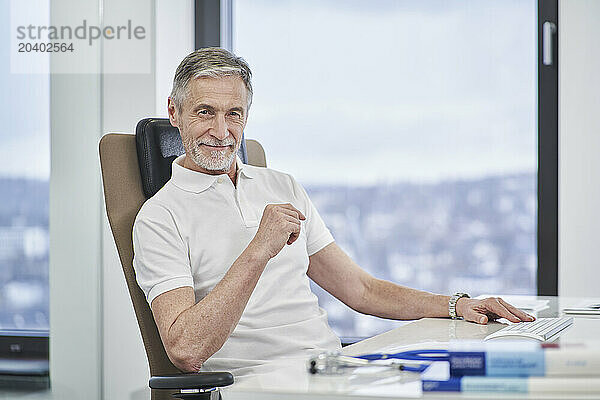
134 168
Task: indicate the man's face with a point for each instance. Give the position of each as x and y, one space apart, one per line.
211 121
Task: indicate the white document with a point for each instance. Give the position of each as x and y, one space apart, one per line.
584 307
416 346
390 387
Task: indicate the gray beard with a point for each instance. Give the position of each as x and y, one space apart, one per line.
219 160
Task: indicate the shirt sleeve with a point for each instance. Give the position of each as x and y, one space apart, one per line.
161 259
317 233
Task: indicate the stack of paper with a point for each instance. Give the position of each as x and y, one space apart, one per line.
437 379
584 307
516 367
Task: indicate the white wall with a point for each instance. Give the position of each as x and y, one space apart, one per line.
174 40
75 219
579 144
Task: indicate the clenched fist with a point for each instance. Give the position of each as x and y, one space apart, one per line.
280 224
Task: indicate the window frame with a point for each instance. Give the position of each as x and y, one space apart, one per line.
547 234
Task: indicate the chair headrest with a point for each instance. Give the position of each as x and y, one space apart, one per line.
158 143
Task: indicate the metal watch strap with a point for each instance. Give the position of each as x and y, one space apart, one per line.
452 304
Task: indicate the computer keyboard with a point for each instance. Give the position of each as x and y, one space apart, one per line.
541 329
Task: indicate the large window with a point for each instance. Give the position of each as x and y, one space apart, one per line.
24 175
413 126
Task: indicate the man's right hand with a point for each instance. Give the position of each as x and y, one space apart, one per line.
279 225
218 313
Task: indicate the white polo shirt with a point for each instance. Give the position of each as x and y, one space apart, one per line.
197 225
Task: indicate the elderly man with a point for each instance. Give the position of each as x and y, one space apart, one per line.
224 250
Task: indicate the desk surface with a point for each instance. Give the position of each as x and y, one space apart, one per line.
290 380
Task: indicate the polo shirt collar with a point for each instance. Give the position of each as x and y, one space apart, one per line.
196 182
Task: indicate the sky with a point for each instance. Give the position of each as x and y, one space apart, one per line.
371 92
354 92
24 111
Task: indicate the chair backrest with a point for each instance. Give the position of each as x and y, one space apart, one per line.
124 195
158 144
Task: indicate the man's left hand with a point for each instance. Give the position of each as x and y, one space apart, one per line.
492 308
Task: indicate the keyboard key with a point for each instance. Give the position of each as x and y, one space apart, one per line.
541 329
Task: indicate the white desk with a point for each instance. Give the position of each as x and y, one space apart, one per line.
290 379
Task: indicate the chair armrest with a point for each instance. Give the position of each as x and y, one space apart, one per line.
199 380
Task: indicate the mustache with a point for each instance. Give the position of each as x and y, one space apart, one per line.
215 142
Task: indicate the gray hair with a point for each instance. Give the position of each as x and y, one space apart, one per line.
212 62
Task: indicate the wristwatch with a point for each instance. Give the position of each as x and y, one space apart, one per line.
452 304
